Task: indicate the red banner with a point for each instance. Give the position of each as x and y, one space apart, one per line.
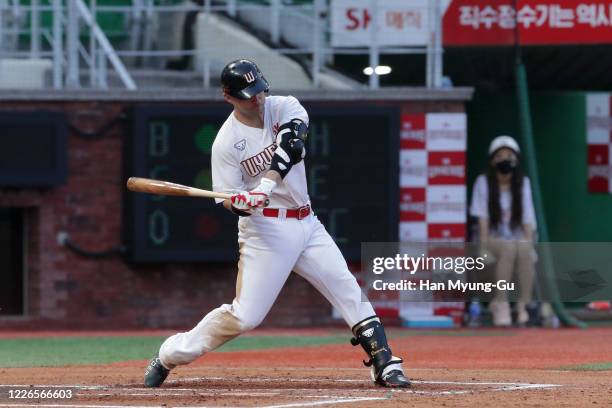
446 168
412 204
412 135
540 22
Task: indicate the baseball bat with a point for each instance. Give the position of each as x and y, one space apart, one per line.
145 185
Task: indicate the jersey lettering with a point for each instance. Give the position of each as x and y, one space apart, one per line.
260 162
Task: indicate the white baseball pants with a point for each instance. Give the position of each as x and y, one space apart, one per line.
270 248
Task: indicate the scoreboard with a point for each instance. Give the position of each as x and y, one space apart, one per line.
351 167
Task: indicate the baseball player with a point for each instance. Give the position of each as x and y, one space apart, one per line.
257 155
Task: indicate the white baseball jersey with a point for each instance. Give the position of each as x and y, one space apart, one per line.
241 154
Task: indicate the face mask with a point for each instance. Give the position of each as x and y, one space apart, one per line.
505 166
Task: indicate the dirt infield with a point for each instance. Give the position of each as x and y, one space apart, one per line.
515 369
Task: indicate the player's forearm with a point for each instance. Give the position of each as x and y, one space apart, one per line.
274 176
227 204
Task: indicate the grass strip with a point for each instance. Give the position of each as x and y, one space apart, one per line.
85 350
62 351
590 367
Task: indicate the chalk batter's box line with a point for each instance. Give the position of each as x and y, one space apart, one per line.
290 405
263 392
504 386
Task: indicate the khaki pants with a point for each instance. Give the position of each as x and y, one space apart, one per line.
508 254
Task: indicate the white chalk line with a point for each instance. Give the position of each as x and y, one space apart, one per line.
262 392
213 394
347 380
290 405
63 386
267 379
84 406
316 403
327 380
178 394
267 392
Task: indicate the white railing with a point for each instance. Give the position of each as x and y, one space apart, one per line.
71 18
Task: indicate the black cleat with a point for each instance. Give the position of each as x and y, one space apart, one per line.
155 374
394 379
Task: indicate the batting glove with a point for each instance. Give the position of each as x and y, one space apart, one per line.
240 202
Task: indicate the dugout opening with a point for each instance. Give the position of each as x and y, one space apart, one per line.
12 265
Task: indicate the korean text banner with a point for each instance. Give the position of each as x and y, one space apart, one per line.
540 22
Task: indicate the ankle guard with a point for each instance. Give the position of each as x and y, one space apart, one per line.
370 333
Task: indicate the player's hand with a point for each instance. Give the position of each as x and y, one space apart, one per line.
240 201
246 201
259 196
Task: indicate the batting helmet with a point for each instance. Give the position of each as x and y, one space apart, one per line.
242 79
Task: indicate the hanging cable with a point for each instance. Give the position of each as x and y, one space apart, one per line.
101 131
64 240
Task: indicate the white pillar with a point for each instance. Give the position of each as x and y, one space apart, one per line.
72 79
374 50
35 29
58 45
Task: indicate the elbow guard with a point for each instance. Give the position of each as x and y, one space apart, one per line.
290 148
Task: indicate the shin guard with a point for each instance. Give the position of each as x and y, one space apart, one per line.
386 368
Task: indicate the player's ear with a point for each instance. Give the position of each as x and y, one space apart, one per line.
228 98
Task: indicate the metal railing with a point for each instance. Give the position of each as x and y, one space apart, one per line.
74 19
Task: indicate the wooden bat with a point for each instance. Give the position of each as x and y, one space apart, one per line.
145 185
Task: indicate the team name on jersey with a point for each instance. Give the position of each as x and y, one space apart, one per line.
260 162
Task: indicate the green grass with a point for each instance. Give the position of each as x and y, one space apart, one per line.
591 367
83 350
61 351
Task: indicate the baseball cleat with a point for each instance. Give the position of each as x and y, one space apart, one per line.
394 379
155 374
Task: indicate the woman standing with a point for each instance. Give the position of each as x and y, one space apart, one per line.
502 202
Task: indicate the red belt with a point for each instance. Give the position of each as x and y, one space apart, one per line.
299 213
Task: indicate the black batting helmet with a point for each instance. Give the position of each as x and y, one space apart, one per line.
242 79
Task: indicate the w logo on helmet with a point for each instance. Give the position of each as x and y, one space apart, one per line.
250 77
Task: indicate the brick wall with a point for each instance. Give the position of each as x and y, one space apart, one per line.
66 290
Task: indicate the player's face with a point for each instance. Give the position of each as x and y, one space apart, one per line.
249 107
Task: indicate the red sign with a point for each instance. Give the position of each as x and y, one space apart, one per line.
412 135
598 154
446 168
492 22
412 204
599 179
